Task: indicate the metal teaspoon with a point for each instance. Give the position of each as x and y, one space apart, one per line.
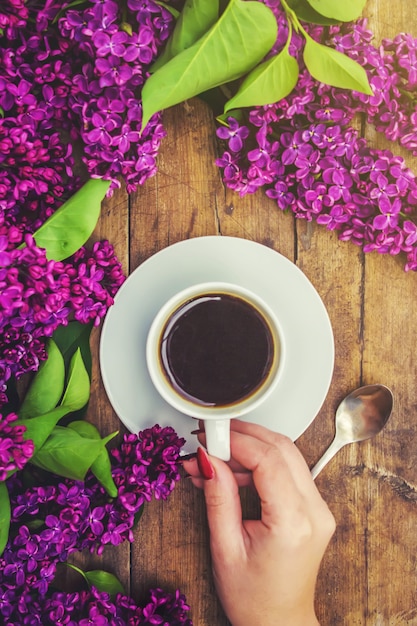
361 415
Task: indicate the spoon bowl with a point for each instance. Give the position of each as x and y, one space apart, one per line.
361 415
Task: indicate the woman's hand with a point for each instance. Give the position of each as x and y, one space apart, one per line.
264 570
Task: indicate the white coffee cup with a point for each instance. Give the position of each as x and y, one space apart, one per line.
236 303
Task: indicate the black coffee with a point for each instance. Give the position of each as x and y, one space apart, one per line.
216 349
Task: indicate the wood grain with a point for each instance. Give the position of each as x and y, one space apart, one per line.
180 202
368 576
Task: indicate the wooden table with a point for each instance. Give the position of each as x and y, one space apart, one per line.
368 575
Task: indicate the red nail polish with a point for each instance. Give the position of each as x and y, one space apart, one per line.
204 465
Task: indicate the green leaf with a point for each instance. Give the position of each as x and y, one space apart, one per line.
237 114
195 19
69 338
101 467
39 428
67 454
307 14
334 68
104 581
77 391
47 386
72 224
345 10
268 83
5 514
240 38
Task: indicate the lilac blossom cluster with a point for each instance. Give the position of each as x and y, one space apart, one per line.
392 72
72 75
114 56
55 517
36 171
86 608
36 162
13 14
37 295
304 153
15 450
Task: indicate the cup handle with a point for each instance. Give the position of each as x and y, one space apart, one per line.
218 438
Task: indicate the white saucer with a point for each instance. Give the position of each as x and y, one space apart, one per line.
310 348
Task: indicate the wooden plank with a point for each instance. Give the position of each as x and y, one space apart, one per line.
171 542
334 268
390 337
389 461
180 201
257 217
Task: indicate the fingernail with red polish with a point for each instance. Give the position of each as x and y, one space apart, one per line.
204 465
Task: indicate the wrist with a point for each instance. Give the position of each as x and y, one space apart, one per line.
274 622
303 619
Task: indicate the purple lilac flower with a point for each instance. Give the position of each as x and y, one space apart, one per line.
35 172
346 186
54 77
95 607
136 477
13 15
73 515
304 154
15 451
234 134
37 296
113 65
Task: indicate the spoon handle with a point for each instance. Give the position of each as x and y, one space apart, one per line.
327 456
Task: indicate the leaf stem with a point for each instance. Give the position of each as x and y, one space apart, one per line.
293 19
76 569
174 12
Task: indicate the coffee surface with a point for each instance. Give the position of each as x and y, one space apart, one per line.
216 350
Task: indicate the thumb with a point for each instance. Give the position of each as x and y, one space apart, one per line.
224 511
